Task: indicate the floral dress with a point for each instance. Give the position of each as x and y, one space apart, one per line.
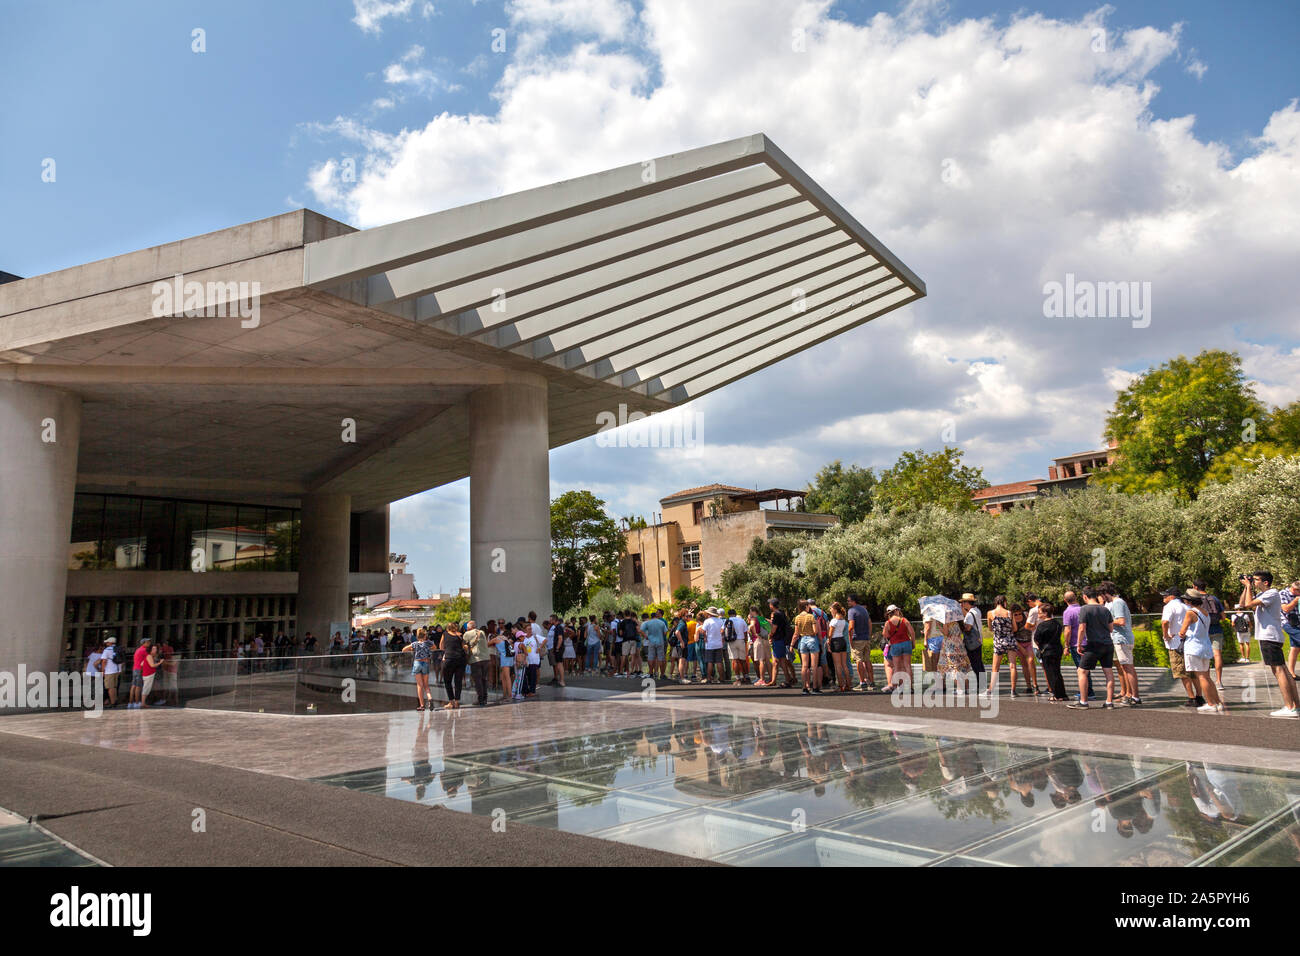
953 658
1004 634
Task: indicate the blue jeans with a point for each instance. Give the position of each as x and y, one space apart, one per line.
593 655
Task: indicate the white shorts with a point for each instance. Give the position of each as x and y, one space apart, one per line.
737 650
1198 664
1123 653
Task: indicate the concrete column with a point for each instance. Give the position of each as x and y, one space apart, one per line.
323 550
40 428
374 541
509 500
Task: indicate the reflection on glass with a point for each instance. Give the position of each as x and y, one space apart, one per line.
1185 812
753 791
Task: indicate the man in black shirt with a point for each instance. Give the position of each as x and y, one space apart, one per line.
781 642
1095 642
1047 638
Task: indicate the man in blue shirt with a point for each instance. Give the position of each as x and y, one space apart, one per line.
860 641
1122 636
655 632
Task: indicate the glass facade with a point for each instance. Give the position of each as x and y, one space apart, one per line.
196 625
131 533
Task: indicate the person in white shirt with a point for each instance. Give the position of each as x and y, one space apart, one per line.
1198 652
112 670
1259 594
973 633
738 650
1171 630
1122 636
713 644
533 645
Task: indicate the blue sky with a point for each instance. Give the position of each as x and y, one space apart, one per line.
153 142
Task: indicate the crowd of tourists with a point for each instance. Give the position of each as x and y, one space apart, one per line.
817 650
828 650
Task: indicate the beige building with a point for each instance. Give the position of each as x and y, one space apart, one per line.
703 531
1064 474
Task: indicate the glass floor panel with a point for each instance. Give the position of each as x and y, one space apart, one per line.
606 810
817 848
22 844
955 812
699 832
762 792
1183 813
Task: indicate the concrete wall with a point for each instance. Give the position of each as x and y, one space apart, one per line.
188 583
658 543
40 429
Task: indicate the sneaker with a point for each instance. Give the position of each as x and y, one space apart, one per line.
1108 705
1290 712
1123 702
1210 709
1135 701
1190 702
817 690
1077 705
807 691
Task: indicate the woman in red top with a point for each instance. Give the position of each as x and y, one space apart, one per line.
897 643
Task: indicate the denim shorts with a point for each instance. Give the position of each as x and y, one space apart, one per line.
934 644
809 645
901 648
419 667
779 650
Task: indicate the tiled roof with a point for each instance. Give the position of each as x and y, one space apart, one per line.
1011 488
705 489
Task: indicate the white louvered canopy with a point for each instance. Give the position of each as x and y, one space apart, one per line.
668 278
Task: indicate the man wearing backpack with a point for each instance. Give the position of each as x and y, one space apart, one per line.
737 647
972 627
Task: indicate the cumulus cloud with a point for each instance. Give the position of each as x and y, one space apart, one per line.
992 157
409 72
370 14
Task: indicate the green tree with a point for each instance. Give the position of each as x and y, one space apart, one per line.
1277 436
769 570
586 547
1173 421
919 478
1254 520
452 611
846 492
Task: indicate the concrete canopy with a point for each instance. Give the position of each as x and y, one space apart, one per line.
648 285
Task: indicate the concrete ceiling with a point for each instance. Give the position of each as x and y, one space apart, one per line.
646 286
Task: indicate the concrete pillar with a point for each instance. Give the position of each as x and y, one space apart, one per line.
509 500
323 603
374 541
38 481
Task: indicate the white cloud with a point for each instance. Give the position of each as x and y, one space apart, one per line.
991 157
408 72
370 14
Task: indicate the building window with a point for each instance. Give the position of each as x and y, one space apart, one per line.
697 512
637 575
691 557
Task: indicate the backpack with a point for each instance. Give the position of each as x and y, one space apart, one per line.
820 618
974 639
729 630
